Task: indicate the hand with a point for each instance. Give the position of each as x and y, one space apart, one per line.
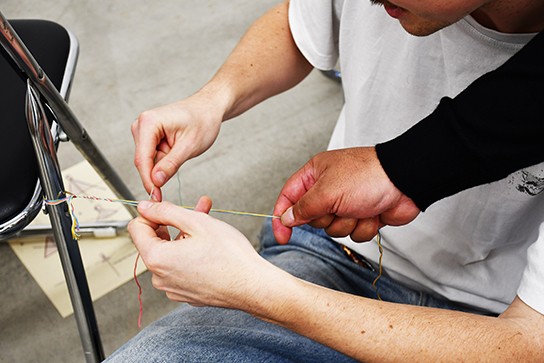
209 263
344 191
168 136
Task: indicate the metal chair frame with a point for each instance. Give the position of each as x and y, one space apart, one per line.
42 98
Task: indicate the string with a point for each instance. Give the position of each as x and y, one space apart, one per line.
179 188
140 291
140 302
69 197
380 266
75 222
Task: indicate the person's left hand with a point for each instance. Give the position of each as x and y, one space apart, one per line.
209 263
344 191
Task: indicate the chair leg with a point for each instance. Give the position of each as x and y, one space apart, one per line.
51 180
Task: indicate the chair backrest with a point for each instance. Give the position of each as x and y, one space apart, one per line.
55 49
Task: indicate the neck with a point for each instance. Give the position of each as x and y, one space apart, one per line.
512 16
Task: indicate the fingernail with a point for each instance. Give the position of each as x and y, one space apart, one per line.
154 197
161 177
145 204
288 217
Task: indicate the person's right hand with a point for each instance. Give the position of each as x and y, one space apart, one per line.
167 136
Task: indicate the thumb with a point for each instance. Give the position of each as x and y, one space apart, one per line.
312 205
169 163
168 214
163 171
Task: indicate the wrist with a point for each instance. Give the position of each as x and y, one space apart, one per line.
219 97
272 295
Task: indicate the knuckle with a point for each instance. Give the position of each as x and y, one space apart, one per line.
146 117
138 161
173 296
156 281
169 165
162 207
131 225
134 128
170 296
153 264
319 156
300 208
143 118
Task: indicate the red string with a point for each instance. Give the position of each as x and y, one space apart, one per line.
139 292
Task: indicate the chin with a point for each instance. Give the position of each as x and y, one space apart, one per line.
423 28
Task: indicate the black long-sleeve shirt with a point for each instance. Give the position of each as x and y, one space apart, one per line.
492 128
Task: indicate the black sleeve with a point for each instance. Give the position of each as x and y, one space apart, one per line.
491 129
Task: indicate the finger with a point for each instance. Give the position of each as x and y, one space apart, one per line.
159 156
294 188
146 138
168 214
313 205
322 222
403 213
281 232
341 227
155 194
169 164
163 233
144 235
163 148
204 204
366 229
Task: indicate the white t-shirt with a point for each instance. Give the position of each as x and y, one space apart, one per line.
471 247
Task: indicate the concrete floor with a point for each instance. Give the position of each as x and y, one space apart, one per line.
136 55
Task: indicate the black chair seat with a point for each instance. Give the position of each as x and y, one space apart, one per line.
50 45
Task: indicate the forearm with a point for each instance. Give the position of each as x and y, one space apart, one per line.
488 131
371 330
265 62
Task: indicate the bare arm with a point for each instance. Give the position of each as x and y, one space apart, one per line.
375 331
264 63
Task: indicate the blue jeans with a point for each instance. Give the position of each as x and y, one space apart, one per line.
206 334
